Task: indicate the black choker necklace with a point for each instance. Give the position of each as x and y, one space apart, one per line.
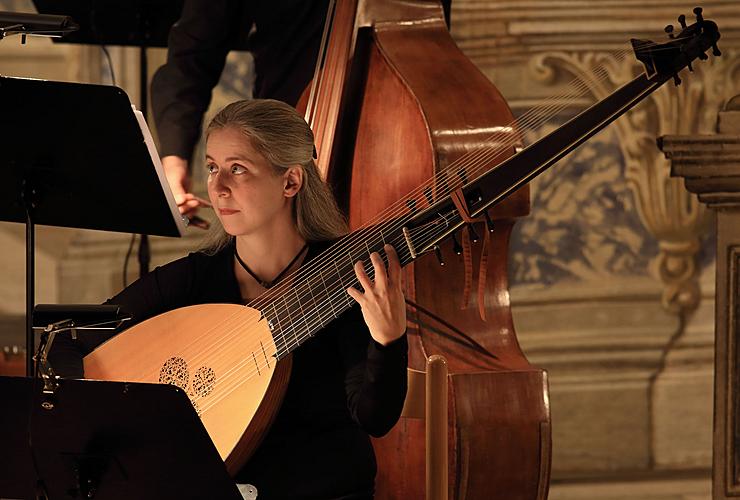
268 284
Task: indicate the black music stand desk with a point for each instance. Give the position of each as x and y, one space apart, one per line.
78 155
108 441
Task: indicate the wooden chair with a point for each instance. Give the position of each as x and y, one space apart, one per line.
427 399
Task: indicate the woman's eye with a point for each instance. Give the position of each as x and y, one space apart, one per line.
237 169
211 168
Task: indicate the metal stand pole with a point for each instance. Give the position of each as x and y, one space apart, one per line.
29 194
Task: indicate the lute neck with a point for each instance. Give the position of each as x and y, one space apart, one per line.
416 224
317 294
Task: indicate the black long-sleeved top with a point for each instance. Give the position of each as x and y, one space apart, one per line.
343 385
284 42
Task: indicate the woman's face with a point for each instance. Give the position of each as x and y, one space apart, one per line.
246 193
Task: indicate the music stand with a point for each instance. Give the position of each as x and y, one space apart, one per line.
77 155
106 440
138 23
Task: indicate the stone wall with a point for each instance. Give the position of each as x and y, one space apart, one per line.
612 274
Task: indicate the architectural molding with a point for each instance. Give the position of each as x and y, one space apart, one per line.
706 162
711 167
501 32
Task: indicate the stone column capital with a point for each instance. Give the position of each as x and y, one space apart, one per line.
709 164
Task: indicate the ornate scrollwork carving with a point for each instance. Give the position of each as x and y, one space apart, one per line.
667 210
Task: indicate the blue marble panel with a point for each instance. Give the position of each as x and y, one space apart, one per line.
583 224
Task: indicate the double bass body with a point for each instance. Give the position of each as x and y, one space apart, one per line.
403 104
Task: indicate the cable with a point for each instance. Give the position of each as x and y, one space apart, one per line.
125 261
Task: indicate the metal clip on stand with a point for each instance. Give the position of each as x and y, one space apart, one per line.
75 317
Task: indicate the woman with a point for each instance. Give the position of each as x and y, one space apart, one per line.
347 382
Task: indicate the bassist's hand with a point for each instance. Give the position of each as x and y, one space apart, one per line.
383 305
176 171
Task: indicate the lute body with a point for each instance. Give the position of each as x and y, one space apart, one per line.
234 384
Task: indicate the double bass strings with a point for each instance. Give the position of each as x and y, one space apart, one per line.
479 161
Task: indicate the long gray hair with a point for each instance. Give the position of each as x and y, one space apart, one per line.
279 134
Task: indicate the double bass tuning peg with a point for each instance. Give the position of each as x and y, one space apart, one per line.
682 21
438 254
473 235
489 223
669 29
456 246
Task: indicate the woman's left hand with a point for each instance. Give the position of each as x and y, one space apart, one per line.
383 305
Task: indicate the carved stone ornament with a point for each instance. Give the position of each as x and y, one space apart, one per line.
667 210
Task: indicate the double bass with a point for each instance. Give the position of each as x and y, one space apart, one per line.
425 164
397 103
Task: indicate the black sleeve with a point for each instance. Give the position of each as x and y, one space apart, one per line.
165 288
375 376
197 48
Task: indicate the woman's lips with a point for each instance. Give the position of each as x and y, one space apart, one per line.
227 211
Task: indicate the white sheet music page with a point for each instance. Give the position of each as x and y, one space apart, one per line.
179 219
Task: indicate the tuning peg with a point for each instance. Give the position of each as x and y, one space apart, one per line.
438 253
703 56
689 66
715 50
682 21
676 80
697 12
473 235
669 29
456 246
489 223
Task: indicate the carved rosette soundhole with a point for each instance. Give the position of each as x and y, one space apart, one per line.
175 371
203 381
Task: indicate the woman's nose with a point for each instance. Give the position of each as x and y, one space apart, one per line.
219 185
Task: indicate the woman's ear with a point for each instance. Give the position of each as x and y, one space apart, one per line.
293 181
